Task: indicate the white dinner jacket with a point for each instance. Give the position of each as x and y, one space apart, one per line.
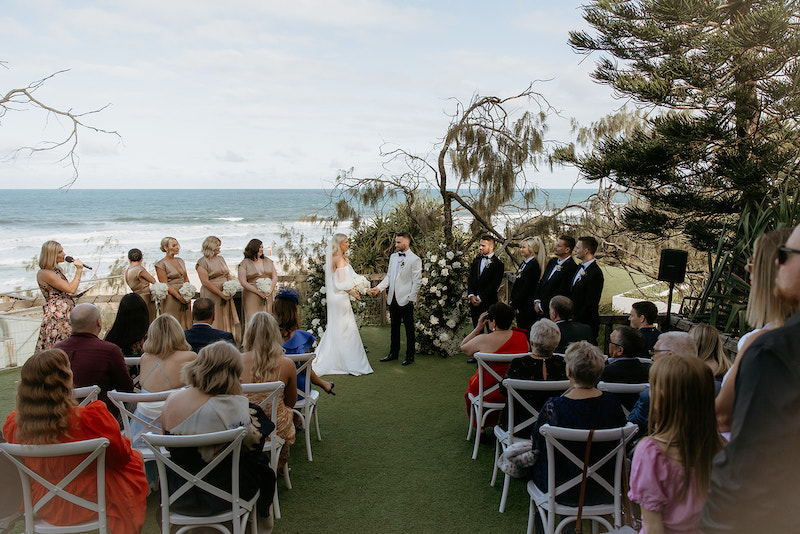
403 278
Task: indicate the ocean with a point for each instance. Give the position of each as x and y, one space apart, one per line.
99 226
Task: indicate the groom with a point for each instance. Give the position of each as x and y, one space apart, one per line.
403 281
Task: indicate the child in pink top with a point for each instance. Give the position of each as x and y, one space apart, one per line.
672 468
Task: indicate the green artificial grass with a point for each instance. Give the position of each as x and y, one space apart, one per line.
393 456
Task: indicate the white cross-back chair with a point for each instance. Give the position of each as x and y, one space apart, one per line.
623 389
479 408
86 394
127 402
306 407
547 501
241 510
95 451
518 403
274 443
133 361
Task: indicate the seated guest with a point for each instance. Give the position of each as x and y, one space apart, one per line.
130 325
709 349
671 468
584 407
561 313
47 413
294 340
623 366
202 333
540 365
643 317
214 402
679 343
265 361
502 339
94 362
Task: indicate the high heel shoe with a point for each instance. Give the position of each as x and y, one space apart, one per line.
330 391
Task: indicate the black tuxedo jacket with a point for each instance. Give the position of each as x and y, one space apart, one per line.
558 284
571 332
525 287
627 371
484 286
200 335
585 295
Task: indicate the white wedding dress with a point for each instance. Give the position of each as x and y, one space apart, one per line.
340 350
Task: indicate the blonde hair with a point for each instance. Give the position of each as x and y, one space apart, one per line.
209 244
44 397
165 243
336 240
763 307
216 370
709 349
263 339
585 363
164 337
682 405
48 257
536 246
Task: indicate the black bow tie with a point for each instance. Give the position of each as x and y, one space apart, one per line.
403 254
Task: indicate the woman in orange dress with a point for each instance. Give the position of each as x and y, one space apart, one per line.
502 339
172 270
57 294
139 280
47 413
213 272
255 266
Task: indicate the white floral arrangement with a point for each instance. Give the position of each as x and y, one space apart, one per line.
264 285
361 284
231 287
187 291
159 291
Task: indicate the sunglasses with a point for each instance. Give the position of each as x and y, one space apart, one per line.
783 254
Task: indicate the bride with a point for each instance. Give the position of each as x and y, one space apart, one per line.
340 351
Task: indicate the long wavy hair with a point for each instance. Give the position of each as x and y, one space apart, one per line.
131 323
536 246
682 414
44 397
263 338
164 337
763 307
216 370
709 349
285 311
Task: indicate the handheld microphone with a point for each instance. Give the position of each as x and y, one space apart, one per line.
70 259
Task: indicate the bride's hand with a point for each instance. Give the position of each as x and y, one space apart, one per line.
355 294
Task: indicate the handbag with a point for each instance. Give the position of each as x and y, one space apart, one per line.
517 460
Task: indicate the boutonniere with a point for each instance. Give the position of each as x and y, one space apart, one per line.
488 261
402 263
580 274
558 267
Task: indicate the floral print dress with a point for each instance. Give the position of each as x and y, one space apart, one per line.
55 316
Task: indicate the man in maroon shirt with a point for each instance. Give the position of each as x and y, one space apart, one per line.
94 362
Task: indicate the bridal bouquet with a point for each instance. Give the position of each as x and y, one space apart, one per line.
158 292
230 288
361 284
187 291
264 285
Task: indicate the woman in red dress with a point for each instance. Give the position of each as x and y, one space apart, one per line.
47 413
502 339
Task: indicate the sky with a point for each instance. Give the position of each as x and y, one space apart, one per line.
267 94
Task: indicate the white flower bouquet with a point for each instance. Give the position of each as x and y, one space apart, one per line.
264 285
187 291
361 284
230 288
158 292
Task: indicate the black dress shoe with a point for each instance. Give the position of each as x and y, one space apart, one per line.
389 358
408 361
472 360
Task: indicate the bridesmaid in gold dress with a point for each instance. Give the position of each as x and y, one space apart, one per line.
139 280
255 266
172 271
213 272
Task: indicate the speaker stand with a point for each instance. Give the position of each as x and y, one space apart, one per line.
669 306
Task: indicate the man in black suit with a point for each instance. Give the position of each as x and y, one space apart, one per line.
561 312
557 275
587 285
201 333
623 366
484 279
525 283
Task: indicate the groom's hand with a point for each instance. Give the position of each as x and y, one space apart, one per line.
373 291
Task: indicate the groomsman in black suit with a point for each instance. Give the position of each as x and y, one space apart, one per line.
557 277
484 279
587 285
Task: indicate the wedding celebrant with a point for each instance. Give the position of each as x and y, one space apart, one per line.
402 282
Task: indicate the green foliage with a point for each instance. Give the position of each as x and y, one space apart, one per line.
315 314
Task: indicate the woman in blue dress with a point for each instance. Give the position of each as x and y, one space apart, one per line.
296 341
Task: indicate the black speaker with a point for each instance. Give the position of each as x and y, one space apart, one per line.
673 265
